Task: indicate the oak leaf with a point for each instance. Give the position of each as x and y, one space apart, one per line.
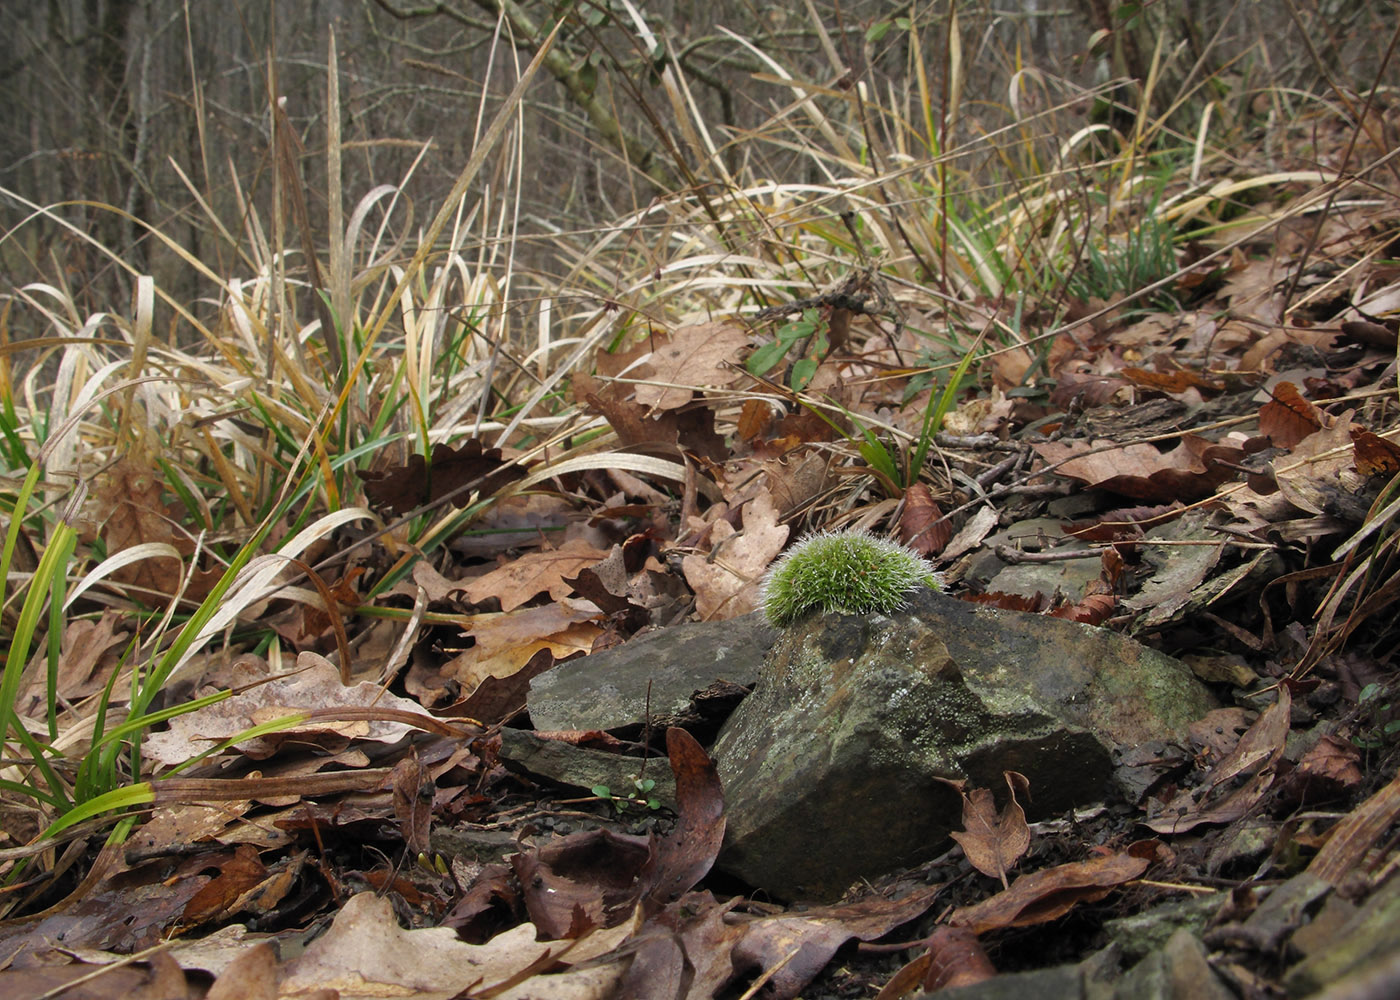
726 582
535 573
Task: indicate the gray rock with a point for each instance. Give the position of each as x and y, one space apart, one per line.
1140 933
582 768
1179 970
831 766
1364 954
609 690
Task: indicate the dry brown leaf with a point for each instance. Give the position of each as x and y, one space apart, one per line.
692 429
683 858
1375 455
1319 466
1193 470
89 652
459 473
800 944
367 954
703 355
1287 417
315 684
474 666
504 643
726 582
1356 834
1177 381
250 976
127 505
922 526
992 841
219 898
1238 781
956 958
535 573
1046 895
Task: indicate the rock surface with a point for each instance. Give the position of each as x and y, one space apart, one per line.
609 690
831 767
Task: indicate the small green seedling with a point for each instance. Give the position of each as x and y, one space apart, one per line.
1379 725
641 795
811 325
850 572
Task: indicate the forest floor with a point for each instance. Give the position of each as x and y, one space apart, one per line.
1210 466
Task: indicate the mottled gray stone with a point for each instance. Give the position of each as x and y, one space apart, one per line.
609 690
831 767
566 764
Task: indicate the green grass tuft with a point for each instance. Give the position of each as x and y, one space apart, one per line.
845 572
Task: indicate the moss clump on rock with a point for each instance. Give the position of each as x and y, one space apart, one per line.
851 572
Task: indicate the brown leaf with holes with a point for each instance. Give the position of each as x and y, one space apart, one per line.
1375 455
535 573
1287 417
470 469
922 526
992 841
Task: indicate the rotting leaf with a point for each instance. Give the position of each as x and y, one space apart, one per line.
406 487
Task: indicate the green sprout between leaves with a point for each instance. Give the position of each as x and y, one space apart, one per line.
641 795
